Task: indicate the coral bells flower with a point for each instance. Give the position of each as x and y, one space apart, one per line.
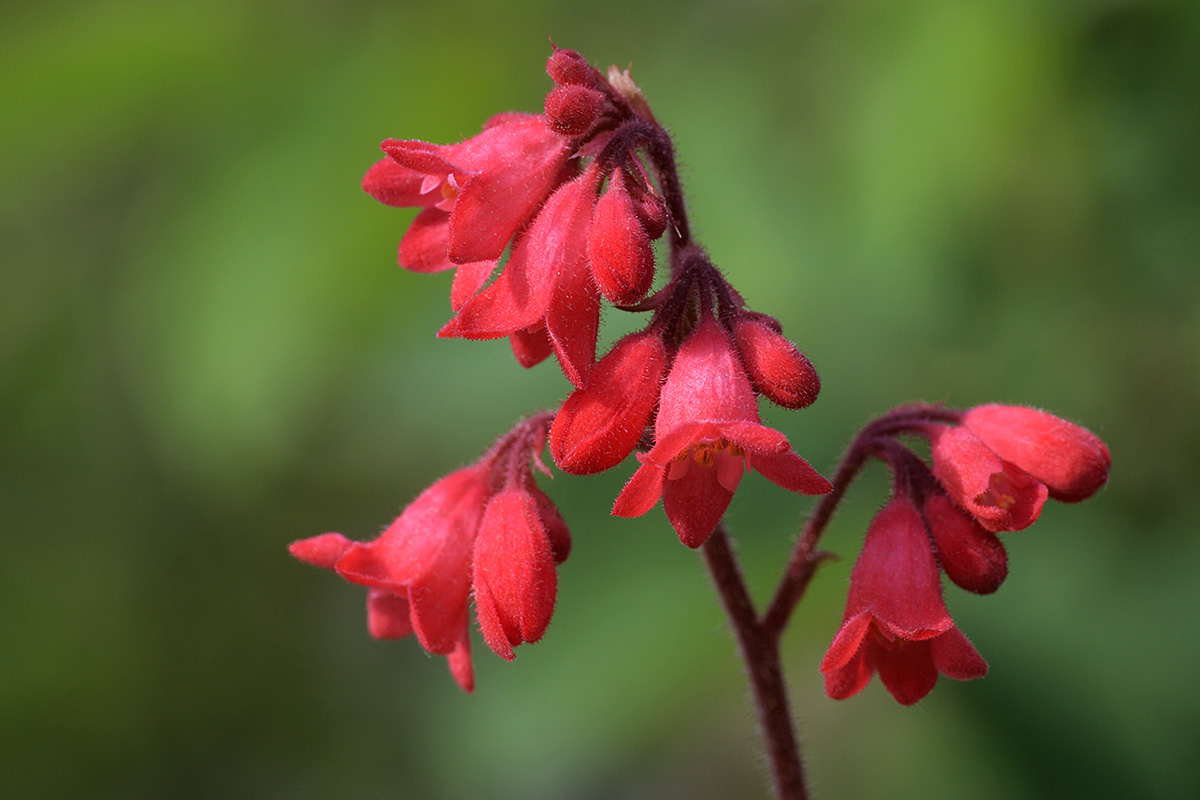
600 424
896 622
486 527
1002 462
477 193
1071 461
708 434
546 284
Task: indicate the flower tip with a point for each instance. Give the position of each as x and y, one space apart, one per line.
322 551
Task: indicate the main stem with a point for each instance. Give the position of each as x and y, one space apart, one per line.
760 651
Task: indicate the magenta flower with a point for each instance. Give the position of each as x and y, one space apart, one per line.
461 534
709 434
896 622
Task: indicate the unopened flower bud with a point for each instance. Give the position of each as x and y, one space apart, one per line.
1070 460
619 250
970 556
572 109
650 208
566 67
776 367
599 425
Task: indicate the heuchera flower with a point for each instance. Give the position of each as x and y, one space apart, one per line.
1002 463
708 434
600 424
486 527
1071 461
896 622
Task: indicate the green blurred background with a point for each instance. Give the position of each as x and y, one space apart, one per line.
207 351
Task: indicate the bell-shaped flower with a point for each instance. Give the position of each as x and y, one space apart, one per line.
1001 495
896 622
476 193
600 424
1071 461
708 434
420 564
485 529
546 283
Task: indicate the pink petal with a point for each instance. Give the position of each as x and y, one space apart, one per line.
321 551
393 184
695 503
641 492
424 246
517 163
387 615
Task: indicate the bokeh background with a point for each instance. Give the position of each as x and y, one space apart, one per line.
207 351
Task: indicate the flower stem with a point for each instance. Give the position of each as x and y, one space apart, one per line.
760 651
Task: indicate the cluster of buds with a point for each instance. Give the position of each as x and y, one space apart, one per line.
993 468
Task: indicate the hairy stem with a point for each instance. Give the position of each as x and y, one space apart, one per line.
761 654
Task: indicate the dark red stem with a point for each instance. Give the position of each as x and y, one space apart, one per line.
761 654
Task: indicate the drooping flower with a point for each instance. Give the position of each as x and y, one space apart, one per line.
485 528
896 623
1001 495
476 194
545 284
423 561
600 424
1071 461
708 434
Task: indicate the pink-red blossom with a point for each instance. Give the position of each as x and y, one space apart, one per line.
896 623
485 530
708 434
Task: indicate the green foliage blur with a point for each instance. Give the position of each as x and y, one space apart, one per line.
207 351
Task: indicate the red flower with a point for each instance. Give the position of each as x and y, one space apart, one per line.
1070 460
600 424
546 284
896 623
476 193
709 434
1001 495
421 564
461 533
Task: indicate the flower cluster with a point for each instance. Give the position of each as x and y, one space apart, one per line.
993 468
575 196
485 528
547 219
574 231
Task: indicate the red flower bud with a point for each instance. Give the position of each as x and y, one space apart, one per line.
970 556
776 367
572 109
649 206
1070 460
600 424
566 67
621 256
514 578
